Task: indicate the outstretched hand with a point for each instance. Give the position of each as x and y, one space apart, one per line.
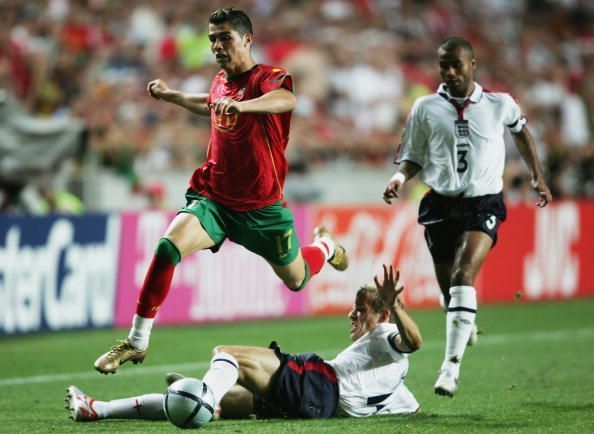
388 290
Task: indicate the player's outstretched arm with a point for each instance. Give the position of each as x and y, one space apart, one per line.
525 144
406 171
409 338
194 102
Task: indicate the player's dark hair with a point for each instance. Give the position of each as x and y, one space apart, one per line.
376 302
238 20
454 42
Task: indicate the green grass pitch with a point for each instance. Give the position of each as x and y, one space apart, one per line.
532 371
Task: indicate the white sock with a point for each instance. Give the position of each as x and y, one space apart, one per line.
459 321
221 375
147 407
326 245
140 332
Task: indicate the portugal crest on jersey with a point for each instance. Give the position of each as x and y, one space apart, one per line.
225 122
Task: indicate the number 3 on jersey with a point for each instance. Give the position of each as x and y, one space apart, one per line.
462 161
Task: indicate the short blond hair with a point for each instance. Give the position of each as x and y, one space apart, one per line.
370 291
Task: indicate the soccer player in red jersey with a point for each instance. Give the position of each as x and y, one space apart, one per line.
237 193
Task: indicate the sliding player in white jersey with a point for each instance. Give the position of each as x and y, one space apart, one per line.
365 379
454 139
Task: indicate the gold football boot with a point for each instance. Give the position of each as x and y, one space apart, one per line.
109 362
340 260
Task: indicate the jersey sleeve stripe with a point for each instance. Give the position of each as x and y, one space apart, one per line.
400 160
516 127
393 345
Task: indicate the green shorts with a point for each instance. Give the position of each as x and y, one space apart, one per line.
268 232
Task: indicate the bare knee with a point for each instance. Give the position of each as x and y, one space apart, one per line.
188 234
293 279
292 275
294 283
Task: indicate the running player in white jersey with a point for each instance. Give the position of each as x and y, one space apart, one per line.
454 139
365 379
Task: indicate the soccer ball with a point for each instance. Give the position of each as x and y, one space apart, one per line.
189 403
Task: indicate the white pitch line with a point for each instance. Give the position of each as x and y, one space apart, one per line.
431 345
90 374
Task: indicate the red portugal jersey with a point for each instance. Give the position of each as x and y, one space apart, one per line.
245 163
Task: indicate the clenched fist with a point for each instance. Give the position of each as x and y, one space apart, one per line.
157 88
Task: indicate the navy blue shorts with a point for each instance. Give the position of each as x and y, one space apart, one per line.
304 387
447 218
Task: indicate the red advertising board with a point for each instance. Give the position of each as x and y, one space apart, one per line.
541 254
374 235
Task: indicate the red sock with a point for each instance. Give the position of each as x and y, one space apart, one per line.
155 287
314 257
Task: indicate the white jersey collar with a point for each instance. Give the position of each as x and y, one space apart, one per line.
474 97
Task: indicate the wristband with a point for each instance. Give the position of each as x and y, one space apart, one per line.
399 176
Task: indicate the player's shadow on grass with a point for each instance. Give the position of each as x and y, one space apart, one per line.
455 421
559 406
419 420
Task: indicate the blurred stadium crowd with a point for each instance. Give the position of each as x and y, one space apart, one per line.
357 64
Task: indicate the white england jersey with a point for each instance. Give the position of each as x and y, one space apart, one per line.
460 147
371 375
